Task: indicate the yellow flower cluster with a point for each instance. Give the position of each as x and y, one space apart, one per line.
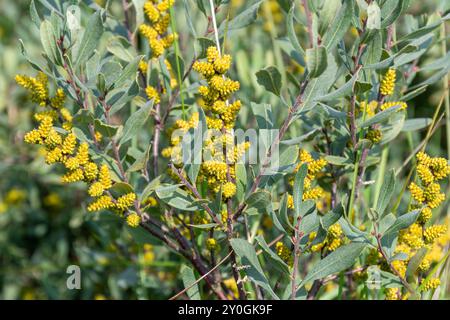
174 150
284 252
392 293
430 284
430 171
64 147
391 104
156 33
374 135
211 244
151 91
335 238
133 220
388 83
39 93
434 238
217 93
222 113
369 108
315 166
36 86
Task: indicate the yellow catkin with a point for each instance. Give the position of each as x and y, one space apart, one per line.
229 190
102 202
434 232
104 177
125 201
211 244
96 189
387 85
133 220
283 252
152 93
374 135
430 284
392 293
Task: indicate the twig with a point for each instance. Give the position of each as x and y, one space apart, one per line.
201 278
297 236
194 190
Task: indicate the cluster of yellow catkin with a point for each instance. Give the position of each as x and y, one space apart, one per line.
315 166
62 146
369 109
427 196
156 32
220 119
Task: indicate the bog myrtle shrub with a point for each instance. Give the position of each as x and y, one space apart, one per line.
332 188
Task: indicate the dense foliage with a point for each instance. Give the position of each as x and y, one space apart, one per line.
225 149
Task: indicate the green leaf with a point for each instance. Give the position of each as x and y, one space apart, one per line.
291 30
338 161
402 222
341 259
117 48
270 79
416 124
187 274
263 114
105 129
249 259
241 181
383 64
205 43
176 197
141 161
414 264
391 10
259 200
274 257
138 6
48 40
319 86
297 140
90 39
340 92
298 189
34 14
206 226
120 188
155 183
316 61
135 122
387 190
380 117
373 16
339 26
283 213
127 75
242 20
